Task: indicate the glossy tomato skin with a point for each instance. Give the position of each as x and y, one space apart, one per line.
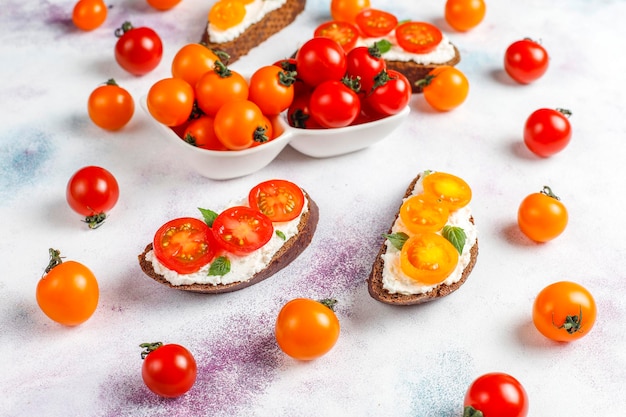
163 4
547 131
218 87
542 216
464 15
446 88
564 311
497 395
89 14
170 101
526 61
68 293
346 10
279 200
299 113
138 50
272 89
92 190
110 106
306 329
321 59
366 63
200 132
238 125
333 104
241 230
192 61
392 96
169 370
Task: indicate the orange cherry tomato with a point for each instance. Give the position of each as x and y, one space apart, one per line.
280 200
272 89
89 14
564 311
428 258
445 88
200 132
110 106
227 13
418 37
541 216
163 4
238 124
306 329
215 88
269 127
423 213
376 23
449 189
192 61
464 15
170 101
344 33
346 10
68 292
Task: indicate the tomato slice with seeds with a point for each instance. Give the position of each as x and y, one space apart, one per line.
184 245
418 37
280 200
376 23
428 258
450 189
241 230
344 33
227 13
423 213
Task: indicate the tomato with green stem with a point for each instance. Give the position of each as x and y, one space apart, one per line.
218 87
496 394
464 15
367 63
272 89
168 370
89 14
200 132
321 59
334 104
390 93
526 61
192 61
110 106
445 88
170 101
240 124
542 216
547 131
241 230
137 50
92 192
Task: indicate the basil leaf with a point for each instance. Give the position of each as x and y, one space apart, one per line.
281 235
208 215
397 239
383 46
456 236
220 266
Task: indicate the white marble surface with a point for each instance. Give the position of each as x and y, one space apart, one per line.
389 361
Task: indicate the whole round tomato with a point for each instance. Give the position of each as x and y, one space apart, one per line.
346 10
89 14
241 230
163 4
366 63
525 61
391 93
137 50
279 200
344 33
497 395
299 113
110 106
184 245
428 258
68 292
464 15
547 131
445 88
334 104
219 86
564 311
170 101
376 23
272 89
542 216
92 191
319 60
192 61
306 329
200 132
239 124
168 370
418 37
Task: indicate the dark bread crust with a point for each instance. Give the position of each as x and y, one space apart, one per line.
285 255
415 72
270 24
375 279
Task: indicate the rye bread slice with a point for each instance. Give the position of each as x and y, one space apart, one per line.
415 72
375 279
285 255
270 24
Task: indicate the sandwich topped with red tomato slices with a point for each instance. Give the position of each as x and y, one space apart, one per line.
432 245
242 245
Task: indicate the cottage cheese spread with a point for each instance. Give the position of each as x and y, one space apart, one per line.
242 268
442 54
255 11
395 281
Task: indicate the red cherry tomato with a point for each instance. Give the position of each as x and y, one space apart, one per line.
497 395
525 61
366 63
299 113
138 50
241 230
319 60
110 106
376 23
168 370
333 104
344 33
418 37
392 94
89 14
280 200
547 131
92 191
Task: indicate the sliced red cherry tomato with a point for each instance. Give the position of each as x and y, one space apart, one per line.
344 33
280 200
453 191
184 245
241 230
418 37
376 23
428 258
424 213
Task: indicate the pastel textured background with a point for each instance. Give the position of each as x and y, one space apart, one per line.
415 361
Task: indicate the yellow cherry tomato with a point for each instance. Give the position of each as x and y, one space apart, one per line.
451 190
428 258
227 13
423 213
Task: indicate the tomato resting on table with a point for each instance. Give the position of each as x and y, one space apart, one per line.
418 37
376 23
137 50
428 258
279 200
564 311
525 61
168 370
344 33
542 216
547 131
445 88
163 4
464 15
241 230
89 14
92 191
497 395
110 106
184 245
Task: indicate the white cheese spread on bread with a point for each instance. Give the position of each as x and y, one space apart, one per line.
255 11
442 54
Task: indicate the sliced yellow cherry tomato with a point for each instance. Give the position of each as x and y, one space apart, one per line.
423 213
428 258
450 189
227 13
